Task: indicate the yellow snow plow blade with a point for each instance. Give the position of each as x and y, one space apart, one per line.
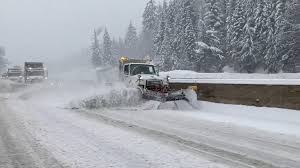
194 88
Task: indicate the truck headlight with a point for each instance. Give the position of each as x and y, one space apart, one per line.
168 78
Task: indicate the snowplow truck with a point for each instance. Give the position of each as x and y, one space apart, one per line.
15 74
34 72
143 75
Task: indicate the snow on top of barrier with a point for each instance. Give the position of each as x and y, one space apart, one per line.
184 76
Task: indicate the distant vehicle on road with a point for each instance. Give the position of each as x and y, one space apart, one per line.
4 75
15 74
35 72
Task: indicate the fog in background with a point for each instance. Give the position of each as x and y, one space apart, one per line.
59 31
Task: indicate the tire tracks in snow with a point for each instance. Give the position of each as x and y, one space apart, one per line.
18 148
283 144
211 152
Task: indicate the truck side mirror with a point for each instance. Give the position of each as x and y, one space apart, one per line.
126 69
168 78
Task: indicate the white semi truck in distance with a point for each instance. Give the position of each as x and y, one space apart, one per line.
15 74
35 72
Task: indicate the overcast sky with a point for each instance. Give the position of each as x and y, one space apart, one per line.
44 30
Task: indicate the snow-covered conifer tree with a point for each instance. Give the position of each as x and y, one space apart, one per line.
96 49
3 61
289 37
185 33
210 52
189 20
160 34
149 27
131 41
107 49
247 59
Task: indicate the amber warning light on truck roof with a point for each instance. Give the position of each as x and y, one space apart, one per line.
124 59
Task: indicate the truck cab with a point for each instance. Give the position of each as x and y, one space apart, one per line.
35 71
139 72
143 75
15 74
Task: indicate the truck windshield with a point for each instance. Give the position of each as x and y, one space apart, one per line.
36 73
34 65
14 74
136 69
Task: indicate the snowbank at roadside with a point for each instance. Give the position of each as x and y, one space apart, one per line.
184 76
278 120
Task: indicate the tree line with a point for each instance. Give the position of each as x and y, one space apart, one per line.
208 35
3 61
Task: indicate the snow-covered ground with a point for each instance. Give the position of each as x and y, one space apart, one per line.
5 85
124 131
182 76
258 133
76 140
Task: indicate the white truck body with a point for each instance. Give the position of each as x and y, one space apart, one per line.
143 75
35 71
15 74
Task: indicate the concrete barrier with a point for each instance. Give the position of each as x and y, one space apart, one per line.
282 96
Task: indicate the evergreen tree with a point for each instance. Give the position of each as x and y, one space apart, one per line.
160 34
177 40
3 61
261 28
230 20
289 43
206 35
185 34
107 49
189 20
167 51
167 62
235 34
281 45
150 16
169 43
131 42
149 28
210 52
96 50
248 59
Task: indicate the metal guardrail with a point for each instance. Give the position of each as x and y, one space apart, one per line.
262 95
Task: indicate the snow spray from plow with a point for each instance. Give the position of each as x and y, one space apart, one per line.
114 98
131 97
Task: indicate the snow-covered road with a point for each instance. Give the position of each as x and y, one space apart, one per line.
228 140
37 132
38 129
18 147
